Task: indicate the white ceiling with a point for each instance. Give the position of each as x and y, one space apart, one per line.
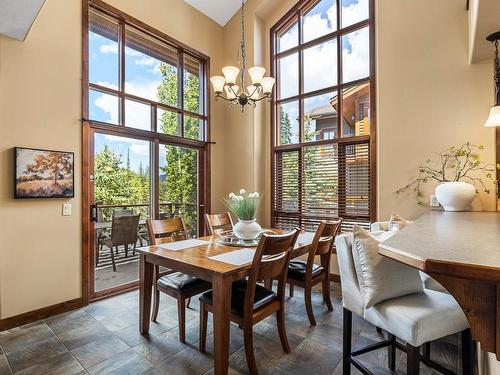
17 16
485 20
220 11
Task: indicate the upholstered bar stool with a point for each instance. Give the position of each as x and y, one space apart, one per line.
415 318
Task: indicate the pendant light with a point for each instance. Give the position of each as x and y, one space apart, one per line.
494 117
260 88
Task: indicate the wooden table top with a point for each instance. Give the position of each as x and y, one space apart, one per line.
199 256
463 244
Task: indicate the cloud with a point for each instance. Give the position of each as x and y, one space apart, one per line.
356 55
355 12
107 84
108 48
109 104
145 88
137 115
149 61
140 149
315 25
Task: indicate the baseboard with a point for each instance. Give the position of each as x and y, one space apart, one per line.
43 313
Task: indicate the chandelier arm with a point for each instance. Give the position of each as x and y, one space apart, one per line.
254 91
266 96
232 90
226 99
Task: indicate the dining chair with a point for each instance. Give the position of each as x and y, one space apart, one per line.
175 284
251 302
416 319
307 274
218 223
123 233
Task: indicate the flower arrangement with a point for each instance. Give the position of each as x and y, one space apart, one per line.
456 163
244 205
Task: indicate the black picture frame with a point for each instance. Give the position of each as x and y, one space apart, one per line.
40 177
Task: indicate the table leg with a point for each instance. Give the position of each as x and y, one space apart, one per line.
146 284
221 287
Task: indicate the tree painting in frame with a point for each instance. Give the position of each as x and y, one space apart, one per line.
44 173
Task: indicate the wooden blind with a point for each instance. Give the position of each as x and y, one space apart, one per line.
322 182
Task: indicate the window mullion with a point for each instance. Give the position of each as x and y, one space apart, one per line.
180 91
121 82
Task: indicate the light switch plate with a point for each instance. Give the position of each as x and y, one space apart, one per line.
66 209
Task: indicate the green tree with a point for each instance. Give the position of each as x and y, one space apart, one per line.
285 128
179 175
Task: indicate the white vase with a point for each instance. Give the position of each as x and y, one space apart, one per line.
247 229
455 196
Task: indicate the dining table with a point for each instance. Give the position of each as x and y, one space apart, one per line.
198 261
461 250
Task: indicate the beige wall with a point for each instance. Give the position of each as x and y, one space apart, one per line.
40 84
428 96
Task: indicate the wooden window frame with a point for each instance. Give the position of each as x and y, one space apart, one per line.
295 14
90 127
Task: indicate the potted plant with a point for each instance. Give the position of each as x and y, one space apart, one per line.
460 174
245 206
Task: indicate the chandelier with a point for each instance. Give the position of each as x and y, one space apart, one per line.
260 88
494 117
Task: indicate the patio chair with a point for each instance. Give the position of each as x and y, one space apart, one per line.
123 233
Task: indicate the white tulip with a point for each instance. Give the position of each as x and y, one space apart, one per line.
242 191
232 195
239 198
251 195
255 195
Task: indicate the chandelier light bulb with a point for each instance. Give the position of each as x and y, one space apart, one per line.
218 83
494 117
267 84
256 74
231 74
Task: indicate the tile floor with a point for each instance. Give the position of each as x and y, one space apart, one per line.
103 338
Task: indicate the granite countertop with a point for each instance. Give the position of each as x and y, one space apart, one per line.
471 238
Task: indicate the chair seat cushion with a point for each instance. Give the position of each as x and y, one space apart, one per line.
297 270
263 297
430 283
181 282
419 318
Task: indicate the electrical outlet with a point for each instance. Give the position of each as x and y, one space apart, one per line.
434 202
66 209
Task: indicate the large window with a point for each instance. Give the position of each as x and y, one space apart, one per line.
140 81
145 128
323 113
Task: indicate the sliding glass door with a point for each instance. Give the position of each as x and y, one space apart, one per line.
145 133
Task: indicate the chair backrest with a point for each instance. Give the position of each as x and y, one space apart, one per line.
166 230
352 298
218 223
124 230
271 260
322 245
119 213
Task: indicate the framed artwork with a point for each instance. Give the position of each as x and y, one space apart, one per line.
43 173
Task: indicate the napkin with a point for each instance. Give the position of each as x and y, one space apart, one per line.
182 245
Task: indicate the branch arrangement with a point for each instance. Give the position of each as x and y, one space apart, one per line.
456 163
